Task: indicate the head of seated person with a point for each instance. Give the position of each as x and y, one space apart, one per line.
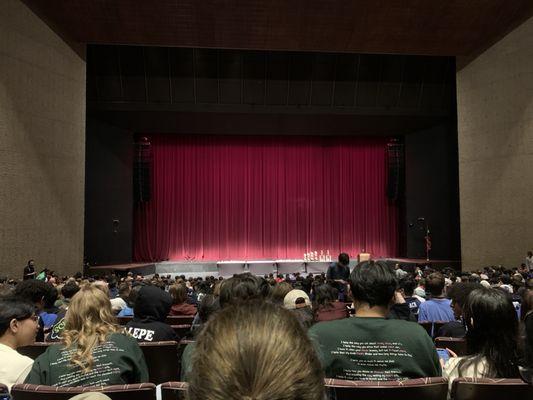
18 323
180 306
372 285
243 287
18 327
151 308
299 304
492 336
260 352
435 283
279 291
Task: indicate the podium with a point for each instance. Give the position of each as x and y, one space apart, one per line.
363 257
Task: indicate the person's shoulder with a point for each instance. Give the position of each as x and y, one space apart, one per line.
327 326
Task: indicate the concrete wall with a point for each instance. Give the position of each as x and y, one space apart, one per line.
42 145
495 124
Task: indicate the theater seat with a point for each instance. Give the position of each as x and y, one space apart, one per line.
162 360
139 391
124 320
422 388
181 330
432 328
179 319
490 389
35 350
173 390
457 345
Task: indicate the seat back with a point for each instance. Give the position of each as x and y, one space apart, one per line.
432 328
181 330
180 319
422 388
173 390
124 320
457 345
34 350
490 389
162 360
139 391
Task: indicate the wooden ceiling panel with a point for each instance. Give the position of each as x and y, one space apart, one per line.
424 27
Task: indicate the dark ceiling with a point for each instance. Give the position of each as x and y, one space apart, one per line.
419 27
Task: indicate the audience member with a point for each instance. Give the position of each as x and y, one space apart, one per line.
18 327
339 272
179 298
298 303
369 346
94 351
128 310
327 306
458 294
407 286
279 291
34 291
255 350
492 338
437 308
121 302
151 308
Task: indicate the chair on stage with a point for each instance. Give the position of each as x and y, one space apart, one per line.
457 345
490 389
421 388
138 391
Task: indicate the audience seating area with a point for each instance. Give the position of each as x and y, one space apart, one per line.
457 345
424 388
139 391
490 389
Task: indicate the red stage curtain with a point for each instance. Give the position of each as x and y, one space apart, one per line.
265 197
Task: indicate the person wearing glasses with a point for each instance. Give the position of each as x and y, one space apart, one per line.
18 327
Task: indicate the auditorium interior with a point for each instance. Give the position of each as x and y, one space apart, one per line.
136 133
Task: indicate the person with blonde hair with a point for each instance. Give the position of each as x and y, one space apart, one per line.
254 350
94 351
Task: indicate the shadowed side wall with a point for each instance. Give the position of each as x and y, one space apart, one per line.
495 123
42 145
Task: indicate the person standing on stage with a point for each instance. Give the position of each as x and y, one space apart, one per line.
339 272
29 270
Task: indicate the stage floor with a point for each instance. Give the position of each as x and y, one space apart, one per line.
256 267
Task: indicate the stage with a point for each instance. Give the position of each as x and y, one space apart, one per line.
228 268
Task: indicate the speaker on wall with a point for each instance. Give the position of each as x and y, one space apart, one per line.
142 170
395 163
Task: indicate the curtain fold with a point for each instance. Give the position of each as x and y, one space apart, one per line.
265 197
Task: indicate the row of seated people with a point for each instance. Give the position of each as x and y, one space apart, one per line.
250 337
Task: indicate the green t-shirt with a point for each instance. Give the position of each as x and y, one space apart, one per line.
374 349
117 361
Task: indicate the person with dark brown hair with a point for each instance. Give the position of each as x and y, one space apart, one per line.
179 298
254 350
438 307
